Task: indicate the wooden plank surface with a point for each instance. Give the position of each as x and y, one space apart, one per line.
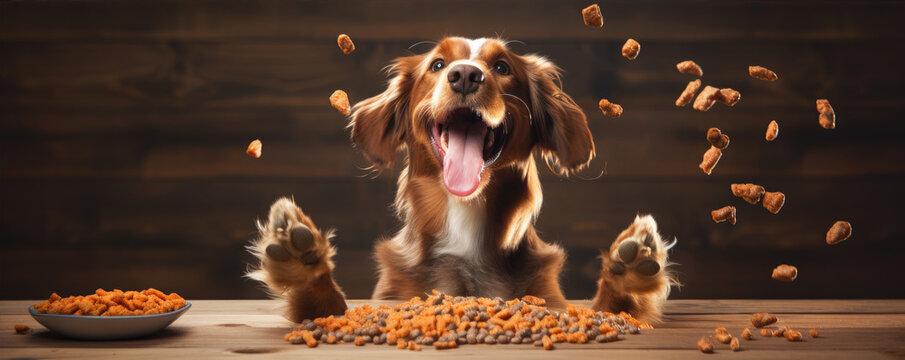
253 75
672 307
312 143
812 20
232 328
135 226
123 126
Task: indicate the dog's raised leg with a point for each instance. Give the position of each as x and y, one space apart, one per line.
635 277
295 263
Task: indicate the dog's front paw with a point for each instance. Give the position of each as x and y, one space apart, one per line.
638 258
635 277
291 248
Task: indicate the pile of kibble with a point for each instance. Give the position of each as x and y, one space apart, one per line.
447 322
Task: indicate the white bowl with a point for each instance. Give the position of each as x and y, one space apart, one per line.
107 327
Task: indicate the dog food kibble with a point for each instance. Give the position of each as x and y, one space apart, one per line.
762 73
723 214
443 345
345 44
766 332
112 303
717 138
688 94
610 109
734 345
827 116
547 342
631 49
447 322
592 16
254 149
772 130
728 96
705 345
534 300
722 335
762 319
711 157
786 273
773 201
840 231
22 329
780 331
749 192
340 101
304 336
689 67
746 334
813 333
792 335
705 99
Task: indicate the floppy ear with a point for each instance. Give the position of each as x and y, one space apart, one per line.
379 123
561 127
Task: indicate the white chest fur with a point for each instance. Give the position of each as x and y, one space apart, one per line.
466 225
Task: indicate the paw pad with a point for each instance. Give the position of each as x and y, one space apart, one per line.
636 253
301 238
647 267
628 250
277 252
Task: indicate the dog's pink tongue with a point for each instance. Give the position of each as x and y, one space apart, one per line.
464 158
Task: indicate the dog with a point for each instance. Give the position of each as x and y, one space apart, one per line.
469 116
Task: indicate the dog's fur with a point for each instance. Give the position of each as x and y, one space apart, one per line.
483 243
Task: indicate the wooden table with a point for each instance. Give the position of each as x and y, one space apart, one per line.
849 329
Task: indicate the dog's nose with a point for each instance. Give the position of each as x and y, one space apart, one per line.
465 79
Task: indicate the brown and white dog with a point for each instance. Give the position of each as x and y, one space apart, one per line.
468 115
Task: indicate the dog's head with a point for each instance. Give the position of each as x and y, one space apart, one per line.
473 106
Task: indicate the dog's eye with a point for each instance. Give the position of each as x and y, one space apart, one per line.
501 67
437 65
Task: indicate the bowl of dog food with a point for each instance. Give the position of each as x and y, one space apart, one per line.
110 315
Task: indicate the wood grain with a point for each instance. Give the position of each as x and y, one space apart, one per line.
247 328
135 226
124 126
652 144
189 75
672 307
811 20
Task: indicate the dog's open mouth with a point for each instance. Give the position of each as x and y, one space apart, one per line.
465 146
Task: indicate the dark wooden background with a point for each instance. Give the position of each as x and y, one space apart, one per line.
124 125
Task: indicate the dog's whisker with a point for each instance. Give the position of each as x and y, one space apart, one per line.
390 69
598 176
668 245
515 41
422 43
370 172
530 119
